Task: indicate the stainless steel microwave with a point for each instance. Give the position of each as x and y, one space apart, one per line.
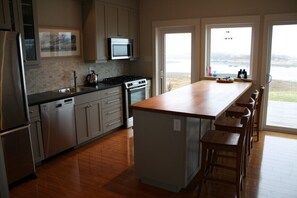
120 48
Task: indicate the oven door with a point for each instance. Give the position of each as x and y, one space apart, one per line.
134 95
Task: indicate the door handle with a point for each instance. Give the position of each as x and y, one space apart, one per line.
15 130
268 78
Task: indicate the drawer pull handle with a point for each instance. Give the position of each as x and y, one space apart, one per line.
112 92
112 101
111 112
113 123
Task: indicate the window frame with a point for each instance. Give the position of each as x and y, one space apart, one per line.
230 22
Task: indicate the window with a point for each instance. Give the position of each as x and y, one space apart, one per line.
230 45
230 50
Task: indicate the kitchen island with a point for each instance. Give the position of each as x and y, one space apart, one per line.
168 127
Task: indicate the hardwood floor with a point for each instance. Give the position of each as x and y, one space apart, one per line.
105 168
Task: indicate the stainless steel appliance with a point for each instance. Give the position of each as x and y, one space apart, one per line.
92 78
134 90
14 117
58 126
120 48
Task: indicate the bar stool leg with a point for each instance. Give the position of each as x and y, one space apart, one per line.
238 176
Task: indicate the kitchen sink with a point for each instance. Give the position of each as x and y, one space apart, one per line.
72 90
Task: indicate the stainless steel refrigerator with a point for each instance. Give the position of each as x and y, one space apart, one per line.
14 116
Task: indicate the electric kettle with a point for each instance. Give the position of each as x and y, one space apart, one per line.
92 78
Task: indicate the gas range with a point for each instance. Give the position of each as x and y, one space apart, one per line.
127 81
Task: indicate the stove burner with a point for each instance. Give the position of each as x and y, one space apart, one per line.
120 79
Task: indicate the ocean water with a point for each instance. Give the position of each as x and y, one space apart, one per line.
277 72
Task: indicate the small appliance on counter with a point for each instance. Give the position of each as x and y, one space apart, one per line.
92 78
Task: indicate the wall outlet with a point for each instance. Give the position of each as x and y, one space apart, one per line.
176 125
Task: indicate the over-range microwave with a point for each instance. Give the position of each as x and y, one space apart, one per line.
120 48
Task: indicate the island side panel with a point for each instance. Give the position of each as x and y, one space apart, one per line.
196 128
160 152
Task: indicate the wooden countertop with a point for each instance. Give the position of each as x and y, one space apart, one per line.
204 99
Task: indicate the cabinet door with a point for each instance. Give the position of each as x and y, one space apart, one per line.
82 126
117 21
36 138
94 31
111 21
4 15
28 27
133 31
123 22
36 134
95 118
101 41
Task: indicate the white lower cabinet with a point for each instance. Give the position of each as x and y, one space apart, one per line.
97 113
88 116
36 134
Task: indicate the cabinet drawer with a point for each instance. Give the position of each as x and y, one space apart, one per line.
108 126
89 97
34 111
112 114
112 101
111 92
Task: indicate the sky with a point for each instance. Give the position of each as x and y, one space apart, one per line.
231 40
284 40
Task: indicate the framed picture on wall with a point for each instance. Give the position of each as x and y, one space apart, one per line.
59 42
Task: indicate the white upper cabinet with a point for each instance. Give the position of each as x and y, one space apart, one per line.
134 31
94 36
117 21
102 20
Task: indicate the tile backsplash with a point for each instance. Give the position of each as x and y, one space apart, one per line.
53 74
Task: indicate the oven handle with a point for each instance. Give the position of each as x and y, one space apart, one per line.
142 87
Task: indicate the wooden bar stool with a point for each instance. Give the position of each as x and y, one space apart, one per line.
231 140
238 111
226 122
256 126
238 108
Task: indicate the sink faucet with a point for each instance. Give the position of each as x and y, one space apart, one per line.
74 78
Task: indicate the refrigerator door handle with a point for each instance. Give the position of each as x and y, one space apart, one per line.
14 130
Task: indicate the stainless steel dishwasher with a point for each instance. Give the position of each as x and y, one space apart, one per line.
58 126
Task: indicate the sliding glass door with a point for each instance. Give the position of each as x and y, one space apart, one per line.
281 98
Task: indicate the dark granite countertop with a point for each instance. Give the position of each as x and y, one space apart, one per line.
48 96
